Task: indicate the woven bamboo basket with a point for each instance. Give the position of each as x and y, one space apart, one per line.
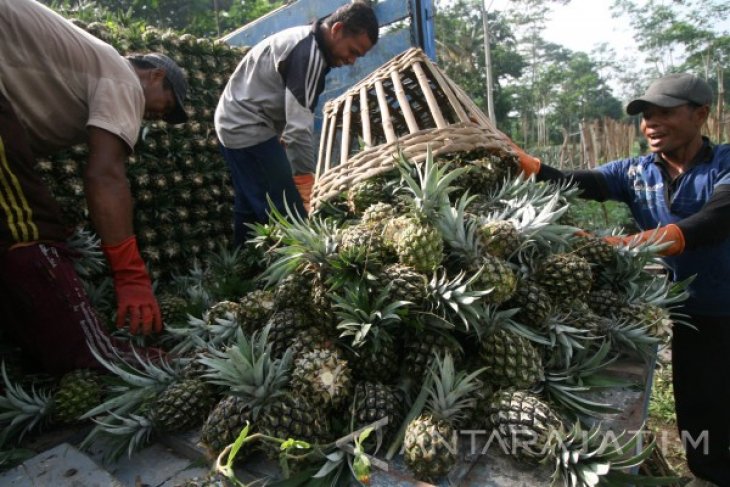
407 105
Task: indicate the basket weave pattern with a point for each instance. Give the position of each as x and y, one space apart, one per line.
407 105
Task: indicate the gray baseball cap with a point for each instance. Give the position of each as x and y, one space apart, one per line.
671 91
176 76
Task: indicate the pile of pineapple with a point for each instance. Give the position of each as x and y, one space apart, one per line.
179 181
442 296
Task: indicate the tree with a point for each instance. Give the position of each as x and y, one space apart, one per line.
460 49
202 18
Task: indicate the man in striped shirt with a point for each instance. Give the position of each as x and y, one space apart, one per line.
265 115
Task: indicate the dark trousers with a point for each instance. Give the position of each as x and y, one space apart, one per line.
259 173
701 366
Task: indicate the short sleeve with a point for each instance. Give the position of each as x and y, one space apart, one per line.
117 108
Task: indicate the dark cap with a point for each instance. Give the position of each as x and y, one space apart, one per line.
671 91
176 77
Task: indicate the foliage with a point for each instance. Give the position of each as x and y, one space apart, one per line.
202 18
661 405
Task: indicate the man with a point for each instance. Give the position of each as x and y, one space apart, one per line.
265 116
682 188
60 86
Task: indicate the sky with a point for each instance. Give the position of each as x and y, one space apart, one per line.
583 24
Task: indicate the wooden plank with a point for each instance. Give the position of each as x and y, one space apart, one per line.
365 117
430 98
405 106
346 116
390 135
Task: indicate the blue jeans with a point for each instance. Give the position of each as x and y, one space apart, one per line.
258 172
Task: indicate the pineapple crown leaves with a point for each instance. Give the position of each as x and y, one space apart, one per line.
455 300
495 318
199 333
85 247
138 382
364 316
433 186
248 370
452 392
122 432
460 233
567 386
302 242
588 458
21 411
625 333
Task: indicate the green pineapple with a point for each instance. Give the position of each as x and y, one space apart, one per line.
406 283
254 381
500 238
173 308
429 444
283 326
565 277
524 422
594 249
533 302
419 245
366 193
322 377
255 307
78 392
373 401
510 360
183 405
378 214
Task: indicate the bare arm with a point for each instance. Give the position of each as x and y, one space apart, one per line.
105 184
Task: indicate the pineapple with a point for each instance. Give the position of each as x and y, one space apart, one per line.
78 392
255 307
594 249
378 214
565 277
500 238
406 283
284 325
419 245
254 380
429 444
183 405
374 401
510 360
367 321
366 193
524 423
173 308
322 377
533 302
467 252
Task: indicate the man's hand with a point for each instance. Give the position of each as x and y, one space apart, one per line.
671 234
305 183
133 287
530 165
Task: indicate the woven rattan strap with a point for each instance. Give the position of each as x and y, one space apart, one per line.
407 105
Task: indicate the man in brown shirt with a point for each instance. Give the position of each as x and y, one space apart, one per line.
60 86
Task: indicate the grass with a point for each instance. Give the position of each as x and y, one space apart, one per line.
594 216
663 421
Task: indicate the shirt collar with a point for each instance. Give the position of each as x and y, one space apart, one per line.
319 38
704 155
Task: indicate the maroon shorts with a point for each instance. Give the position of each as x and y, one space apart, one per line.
44 306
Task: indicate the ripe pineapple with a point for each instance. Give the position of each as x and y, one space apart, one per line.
419 245
429 444
173 308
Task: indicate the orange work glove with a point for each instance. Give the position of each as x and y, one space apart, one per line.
133 288
530 165
305 183
668 233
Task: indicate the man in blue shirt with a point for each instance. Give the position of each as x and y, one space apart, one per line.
682 188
